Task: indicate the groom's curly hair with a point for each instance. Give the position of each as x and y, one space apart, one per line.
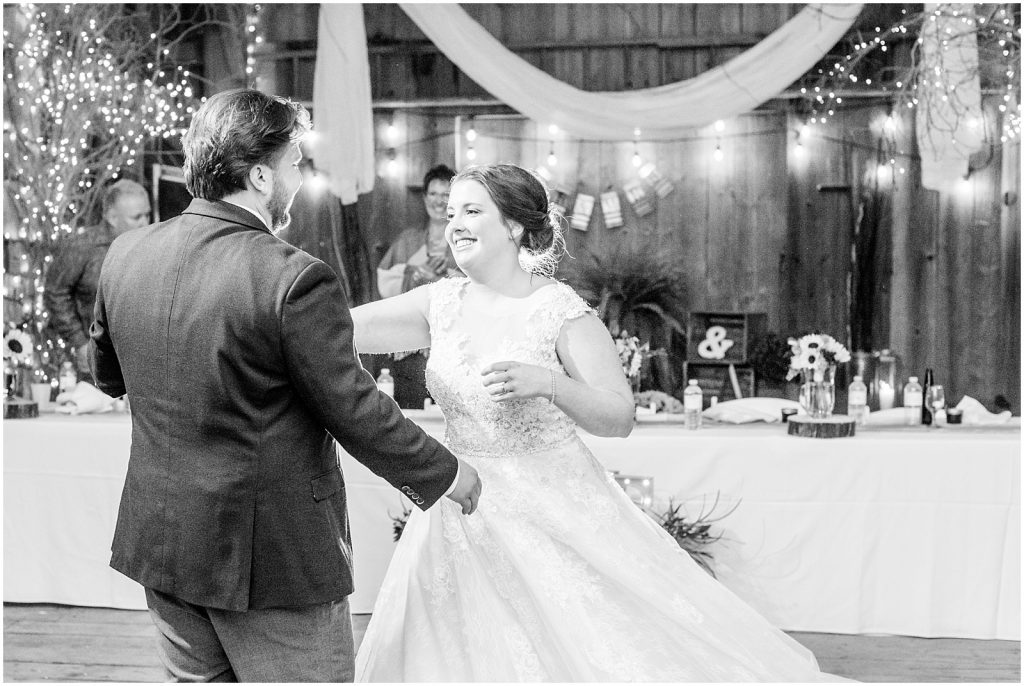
233 131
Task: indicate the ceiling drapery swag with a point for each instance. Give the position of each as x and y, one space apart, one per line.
342 109
733 88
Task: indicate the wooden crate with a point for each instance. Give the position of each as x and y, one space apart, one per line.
739 327
714 380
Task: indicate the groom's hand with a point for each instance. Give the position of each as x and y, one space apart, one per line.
467 491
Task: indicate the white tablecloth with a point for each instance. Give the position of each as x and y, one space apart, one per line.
902 531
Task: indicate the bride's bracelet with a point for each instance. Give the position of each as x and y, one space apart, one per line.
552 386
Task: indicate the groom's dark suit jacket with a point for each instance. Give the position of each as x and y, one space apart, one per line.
236 352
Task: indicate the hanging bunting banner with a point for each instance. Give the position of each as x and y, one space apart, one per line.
611 209
638 198
581 211
661 185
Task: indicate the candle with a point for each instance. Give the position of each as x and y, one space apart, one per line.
886 395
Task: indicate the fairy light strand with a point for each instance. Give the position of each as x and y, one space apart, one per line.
88 100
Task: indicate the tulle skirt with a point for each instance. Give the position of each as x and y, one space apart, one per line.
558 576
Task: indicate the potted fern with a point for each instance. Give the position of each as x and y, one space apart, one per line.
641 291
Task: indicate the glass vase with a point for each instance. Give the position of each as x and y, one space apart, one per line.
818 392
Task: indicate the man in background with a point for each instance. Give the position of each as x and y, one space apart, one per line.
72 278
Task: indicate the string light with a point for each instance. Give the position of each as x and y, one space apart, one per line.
718 154
254 38
637 161
471 132
391 131
392 164
552 159
87 101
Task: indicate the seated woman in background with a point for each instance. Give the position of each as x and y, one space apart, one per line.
419 255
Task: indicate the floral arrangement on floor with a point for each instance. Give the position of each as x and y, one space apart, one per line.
693 535
398 522
814 353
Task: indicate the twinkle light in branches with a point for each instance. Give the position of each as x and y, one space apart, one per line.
86 90
997 34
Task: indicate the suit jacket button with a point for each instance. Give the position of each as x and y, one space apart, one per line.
406 489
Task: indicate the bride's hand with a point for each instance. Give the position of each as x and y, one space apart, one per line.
516 381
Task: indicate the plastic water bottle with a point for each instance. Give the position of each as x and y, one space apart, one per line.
913 398
693 404
857 402
386 383
68 378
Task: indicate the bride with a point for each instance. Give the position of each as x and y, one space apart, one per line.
558 576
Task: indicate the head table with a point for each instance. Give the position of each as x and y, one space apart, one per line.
909 531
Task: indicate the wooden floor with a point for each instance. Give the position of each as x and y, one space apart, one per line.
60 643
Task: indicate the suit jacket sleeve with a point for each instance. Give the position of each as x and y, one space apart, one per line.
321 359
103 362
59 297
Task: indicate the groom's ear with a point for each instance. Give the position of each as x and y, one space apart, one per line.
260 179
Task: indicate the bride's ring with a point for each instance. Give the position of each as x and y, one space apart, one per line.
504 390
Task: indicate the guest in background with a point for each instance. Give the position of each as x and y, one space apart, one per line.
419 255
72 278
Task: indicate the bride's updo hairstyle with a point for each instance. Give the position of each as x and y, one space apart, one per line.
522 197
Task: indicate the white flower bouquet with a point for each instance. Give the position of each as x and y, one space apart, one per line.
814 354
631 353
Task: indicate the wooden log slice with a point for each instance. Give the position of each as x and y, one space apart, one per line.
19 408
836 426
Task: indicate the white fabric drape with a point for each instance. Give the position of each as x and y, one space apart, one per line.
949 118
738 86
342 110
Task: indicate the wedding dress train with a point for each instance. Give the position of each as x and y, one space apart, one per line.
557 576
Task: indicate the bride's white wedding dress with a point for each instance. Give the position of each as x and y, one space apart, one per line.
557 576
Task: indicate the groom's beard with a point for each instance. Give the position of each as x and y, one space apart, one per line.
278 207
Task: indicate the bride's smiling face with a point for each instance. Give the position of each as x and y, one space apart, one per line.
476 232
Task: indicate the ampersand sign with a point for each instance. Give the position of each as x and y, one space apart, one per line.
715 344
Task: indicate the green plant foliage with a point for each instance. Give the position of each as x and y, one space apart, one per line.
693 534
769 357
641 290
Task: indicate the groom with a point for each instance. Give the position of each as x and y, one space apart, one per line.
236 351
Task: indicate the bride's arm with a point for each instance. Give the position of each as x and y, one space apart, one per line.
393 324
595 394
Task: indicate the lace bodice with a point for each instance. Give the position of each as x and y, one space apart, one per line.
464 340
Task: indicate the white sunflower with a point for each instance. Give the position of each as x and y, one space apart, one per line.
17 346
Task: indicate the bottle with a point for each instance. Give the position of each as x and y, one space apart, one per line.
385 383
693 404
857 400
912 401
926 412
68 377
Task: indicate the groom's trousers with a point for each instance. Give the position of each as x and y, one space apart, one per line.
290 644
